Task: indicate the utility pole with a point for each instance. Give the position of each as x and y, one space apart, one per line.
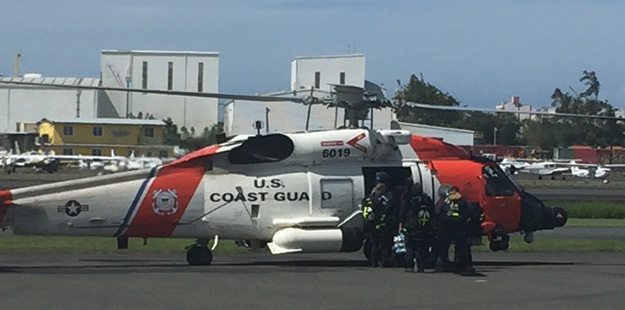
16 65
267 120
495 136
127 97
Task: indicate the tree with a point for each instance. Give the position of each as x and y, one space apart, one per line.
422 92
592 82
208 137
564 132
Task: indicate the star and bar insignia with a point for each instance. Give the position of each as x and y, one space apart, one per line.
73 208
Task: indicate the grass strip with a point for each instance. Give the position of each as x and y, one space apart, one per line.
591 209
101 245
575 222
542 244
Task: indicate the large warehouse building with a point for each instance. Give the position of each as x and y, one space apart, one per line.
161 70
182 71
309 76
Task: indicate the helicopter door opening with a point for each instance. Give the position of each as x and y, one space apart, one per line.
396 177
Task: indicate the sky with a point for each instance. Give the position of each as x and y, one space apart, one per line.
481 51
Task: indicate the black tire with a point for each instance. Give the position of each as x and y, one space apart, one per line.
495 246
199 256
505 245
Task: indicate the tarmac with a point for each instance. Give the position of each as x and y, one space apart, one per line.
514 280
314 281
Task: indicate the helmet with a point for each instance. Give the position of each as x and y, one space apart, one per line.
381 177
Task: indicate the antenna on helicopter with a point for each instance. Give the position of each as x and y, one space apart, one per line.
258 125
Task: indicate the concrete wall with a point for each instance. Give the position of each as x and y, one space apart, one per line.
290 117
31 104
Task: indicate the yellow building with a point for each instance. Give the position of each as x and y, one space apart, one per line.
100 136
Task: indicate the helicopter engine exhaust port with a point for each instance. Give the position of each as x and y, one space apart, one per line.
297 240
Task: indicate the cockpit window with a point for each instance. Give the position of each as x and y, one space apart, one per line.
497 182
262 149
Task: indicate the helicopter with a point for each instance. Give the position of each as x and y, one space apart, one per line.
291 192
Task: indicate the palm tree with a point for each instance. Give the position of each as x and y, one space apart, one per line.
592 82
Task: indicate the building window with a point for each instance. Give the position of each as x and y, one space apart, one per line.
144 81
68 130
96 152
68 151
342 78
97 131
317 79
148 132
162 154
170 75
200 77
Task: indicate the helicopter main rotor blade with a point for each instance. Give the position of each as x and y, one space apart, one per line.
463 109
165 92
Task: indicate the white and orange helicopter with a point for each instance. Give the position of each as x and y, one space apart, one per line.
293 192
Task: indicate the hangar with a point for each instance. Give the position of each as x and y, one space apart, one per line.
161 70
310 76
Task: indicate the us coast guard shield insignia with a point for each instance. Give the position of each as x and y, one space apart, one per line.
165 202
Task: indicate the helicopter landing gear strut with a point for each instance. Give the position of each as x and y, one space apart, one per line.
199 254
499 243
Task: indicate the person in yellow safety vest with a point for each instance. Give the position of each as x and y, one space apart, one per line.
377 221
418 224
454 214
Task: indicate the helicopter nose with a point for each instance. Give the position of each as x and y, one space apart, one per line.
556 217
536 216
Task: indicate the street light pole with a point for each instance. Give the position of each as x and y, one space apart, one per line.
16 65
495 136
127 97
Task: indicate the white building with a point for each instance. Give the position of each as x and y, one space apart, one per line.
449 135
181 71
318 73
515 105
161 70
30 104
322 72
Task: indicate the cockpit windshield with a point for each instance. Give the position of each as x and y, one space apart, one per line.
497 182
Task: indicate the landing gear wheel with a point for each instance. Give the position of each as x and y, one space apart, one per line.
500 245
540 177
199 256
553 177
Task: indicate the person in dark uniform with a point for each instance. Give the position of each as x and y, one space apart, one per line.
454 212
380 224
417 223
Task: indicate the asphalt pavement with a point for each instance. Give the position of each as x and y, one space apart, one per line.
337 281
